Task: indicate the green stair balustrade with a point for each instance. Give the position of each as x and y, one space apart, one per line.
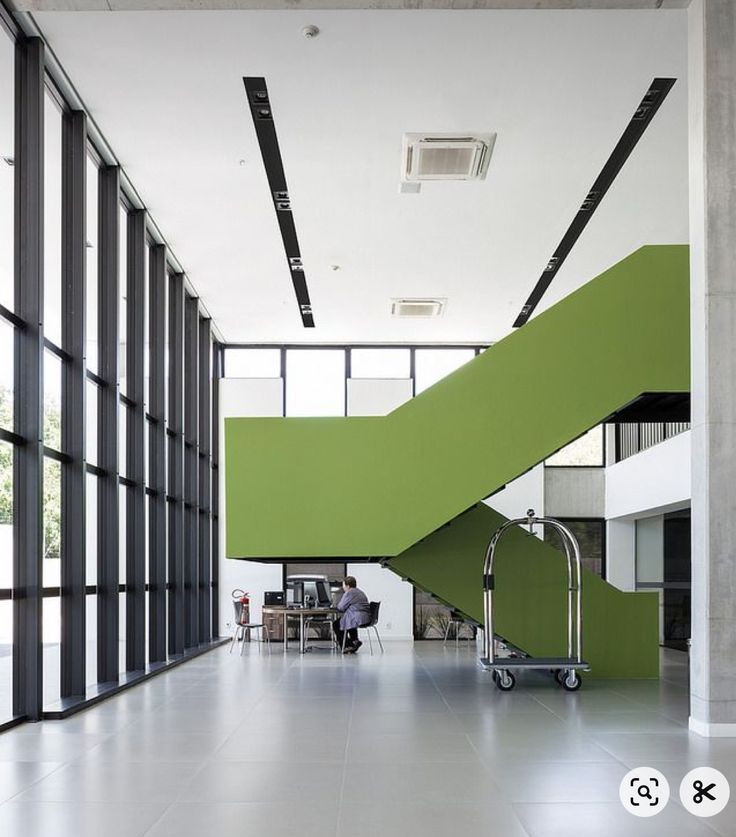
360 487
620 630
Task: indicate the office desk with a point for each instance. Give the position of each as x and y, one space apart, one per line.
302 614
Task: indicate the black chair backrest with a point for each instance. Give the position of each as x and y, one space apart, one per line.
375 607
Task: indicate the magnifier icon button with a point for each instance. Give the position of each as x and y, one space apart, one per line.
644 791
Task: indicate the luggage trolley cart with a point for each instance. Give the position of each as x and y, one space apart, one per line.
565 669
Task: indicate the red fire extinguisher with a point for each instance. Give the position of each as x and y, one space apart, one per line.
241 603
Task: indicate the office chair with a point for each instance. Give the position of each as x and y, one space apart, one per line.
373 624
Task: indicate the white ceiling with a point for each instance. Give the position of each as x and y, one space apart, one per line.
558 88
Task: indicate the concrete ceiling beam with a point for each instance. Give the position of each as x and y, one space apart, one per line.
187 5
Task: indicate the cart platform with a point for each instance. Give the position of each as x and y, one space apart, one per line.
533 662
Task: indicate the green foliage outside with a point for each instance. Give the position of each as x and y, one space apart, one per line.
52 475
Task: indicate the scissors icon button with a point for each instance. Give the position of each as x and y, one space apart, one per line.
702 792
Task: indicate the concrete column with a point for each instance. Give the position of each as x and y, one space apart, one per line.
712 92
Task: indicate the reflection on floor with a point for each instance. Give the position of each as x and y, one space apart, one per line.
414 742
51 674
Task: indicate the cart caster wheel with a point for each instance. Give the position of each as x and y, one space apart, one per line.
505 681
494 676
559 674
571 682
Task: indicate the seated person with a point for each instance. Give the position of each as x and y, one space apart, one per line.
356 612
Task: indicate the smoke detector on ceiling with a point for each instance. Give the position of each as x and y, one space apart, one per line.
446 156
417 307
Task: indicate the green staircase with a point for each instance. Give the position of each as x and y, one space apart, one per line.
376 487
355 487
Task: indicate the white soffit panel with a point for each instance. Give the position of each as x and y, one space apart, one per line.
251 397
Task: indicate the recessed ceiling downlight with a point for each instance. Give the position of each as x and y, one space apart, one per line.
446 156
417 308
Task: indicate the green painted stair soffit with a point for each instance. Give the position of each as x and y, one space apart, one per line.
341 487
620 629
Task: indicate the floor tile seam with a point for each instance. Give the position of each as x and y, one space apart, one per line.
338 819
593 712
211 757
613 755
454 716
674 734
678 721
548 709
159 818
587 739
58 767
641 705
252 709
616 803
86 753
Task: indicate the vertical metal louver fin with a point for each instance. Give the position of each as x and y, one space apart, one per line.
259 103
639 122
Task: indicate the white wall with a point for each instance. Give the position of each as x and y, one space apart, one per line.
250 397
650 557
396 597
376 396
654 481
621 554
524 493
245 397
643 486
650 549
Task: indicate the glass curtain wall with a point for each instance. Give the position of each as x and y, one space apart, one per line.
83 346
315 376
7 353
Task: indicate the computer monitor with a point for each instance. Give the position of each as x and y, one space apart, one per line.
317 587
298 593
324 599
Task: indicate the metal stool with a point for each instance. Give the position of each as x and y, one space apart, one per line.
458 621
317 622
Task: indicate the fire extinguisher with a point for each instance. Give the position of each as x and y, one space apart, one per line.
241 601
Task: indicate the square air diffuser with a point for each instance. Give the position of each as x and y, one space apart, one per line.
446 156
417 307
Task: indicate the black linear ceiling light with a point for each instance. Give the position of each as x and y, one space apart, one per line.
260 108
643 115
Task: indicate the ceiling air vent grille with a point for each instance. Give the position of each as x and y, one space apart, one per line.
446 156
417 307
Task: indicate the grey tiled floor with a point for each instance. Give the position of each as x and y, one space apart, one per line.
416 742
